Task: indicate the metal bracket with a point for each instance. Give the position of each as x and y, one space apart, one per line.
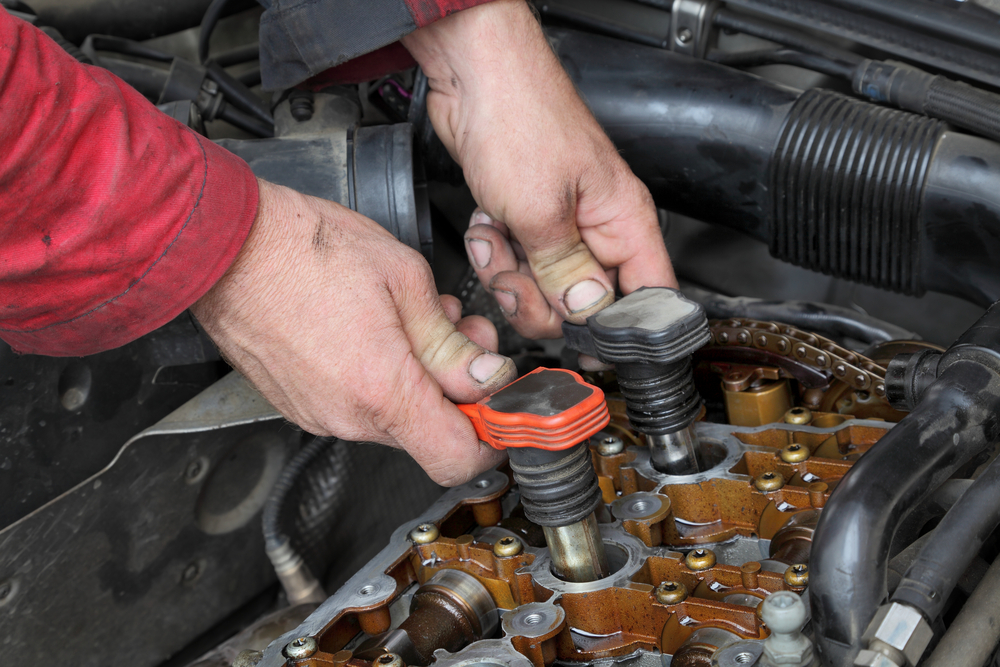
691 26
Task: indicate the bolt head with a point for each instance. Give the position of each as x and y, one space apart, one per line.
800 416
700 559
671 592
797 576
684 35
769 481
610 445
388 660
506 547
425 533
794 453
303 647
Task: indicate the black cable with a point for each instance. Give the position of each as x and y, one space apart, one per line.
250 78
764 30
808 61
238 94
125 47
593 24
208 23
244 121
239 55
149 81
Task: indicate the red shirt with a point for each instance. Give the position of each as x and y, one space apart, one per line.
114 218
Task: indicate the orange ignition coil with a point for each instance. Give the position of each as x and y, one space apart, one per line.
544 420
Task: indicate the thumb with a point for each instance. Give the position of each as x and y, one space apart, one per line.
571 279
465 371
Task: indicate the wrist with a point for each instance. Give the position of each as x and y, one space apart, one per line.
466 53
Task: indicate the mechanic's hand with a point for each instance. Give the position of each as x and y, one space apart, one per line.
550 184
340 328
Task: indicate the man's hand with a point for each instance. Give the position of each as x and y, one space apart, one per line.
340 328
562 217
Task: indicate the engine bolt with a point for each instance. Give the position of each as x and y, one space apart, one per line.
797 576
799 416
425 533
723 337
303 647
684 35
700 559
794 453
389 660
671 592
769 481
610 446
506 547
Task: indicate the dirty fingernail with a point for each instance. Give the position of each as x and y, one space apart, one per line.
485 366
480 218
480 252
584 295
507 301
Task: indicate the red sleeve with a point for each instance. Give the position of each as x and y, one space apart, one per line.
113 217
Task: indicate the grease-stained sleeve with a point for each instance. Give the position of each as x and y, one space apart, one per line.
300 39
114 218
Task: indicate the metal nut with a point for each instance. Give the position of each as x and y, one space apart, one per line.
425 533
506 547
610 446
671 592
794 453
388 660
303 647
899 632
700 559
769 481
797 576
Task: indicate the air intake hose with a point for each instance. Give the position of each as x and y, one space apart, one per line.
848 188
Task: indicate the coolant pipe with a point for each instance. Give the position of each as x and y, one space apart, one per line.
952 421
882 197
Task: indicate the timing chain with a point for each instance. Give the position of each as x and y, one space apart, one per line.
860 373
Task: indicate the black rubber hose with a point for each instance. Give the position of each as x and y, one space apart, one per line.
932 577
237 56
727 20
149 81
244 121
208 23
930 18
932 95
808 61
823 318
854 190
238 94
125 47
965 106
955 420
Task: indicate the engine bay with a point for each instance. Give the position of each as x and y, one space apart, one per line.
790 461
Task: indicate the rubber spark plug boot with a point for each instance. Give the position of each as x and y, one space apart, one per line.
650 336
